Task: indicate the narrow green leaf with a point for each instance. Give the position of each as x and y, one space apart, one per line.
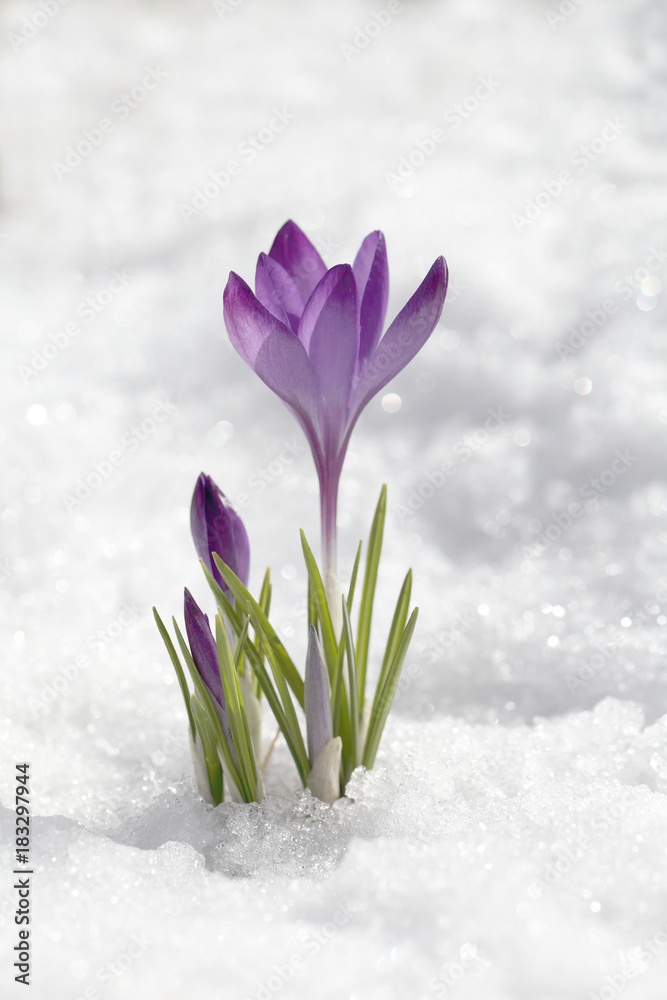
265 605
207 701
252 650
286 719
353 579
352 688
368 593
385 695
166 638
265 593
235 709
312 607
340 711
240 643
397 626
329 644
337 689
245 601
209 750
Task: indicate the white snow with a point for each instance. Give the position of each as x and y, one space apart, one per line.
510 842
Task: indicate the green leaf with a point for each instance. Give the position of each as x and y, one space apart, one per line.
337 690
368 593
353 759
265 604
207 701
245 601
397 626
236 714
265 594
312 607
209 750
353 579
385 695
285 714
241 643
166 638
329 644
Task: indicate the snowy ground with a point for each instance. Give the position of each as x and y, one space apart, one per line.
510 843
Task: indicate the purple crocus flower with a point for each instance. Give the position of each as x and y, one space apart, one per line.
205 654
216 527
314 336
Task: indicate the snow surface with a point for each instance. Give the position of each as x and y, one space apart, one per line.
510 843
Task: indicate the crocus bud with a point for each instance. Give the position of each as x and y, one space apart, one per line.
324 752
205 654
324 777
216 527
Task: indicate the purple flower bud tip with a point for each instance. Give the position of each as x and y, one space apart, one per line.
202 646
205 654
317 699
216 527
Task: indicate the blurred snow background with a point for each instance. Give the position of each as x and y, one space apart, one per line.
510 843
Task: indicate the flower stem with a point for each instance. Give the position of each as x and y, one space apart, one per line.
329 505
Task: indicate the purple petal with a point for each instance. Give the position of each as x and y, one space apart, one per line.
371 273
205 654
248 322
276 290
404 338
273 352
203 648
216 527
329 332
294 251
316 699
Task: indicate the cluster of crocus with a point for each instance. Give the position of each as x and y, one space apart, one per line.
313 336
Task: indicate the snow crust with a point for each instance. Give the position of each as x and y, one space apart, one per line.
510 842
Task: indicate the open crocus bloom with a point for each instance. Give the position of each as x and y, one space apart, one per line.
314 336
